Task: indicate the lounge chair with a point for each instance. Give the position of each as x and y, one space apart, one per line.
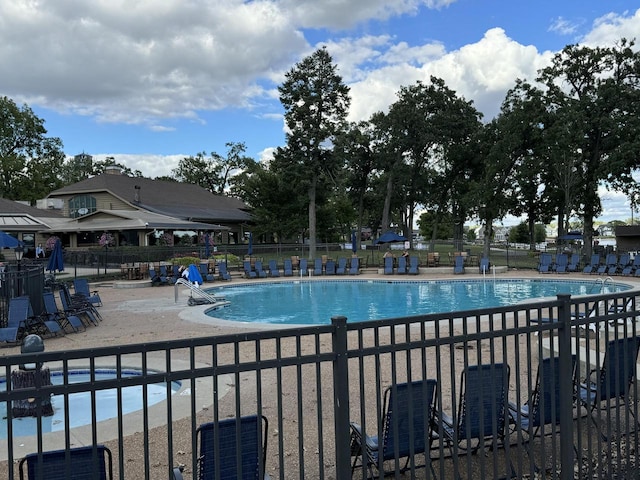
458 264
574 263
542 408
354 269
330 267
611 265
623 262
609 386
562 262
248 271
273 269
484 265
79 463
632 267
18 316
407 423
288 267
414 269
223 273
52 313
205 274
592 267
388 265
237 447
341 269
81 287
402 265
545 264
157 279
482 411
303 267
317 267
40 324
82 309
259 270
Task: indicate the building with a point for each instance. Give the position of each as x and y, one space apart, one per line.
141 211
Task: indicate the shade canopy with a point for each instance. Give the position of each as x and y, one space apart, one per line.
56 260
354 242
250 250
389 237
194 274
8 241
571 236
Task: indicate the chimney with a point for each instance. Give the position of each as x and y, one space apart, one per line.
136 196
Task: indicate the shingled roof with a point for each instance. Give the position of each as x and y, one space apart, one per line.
15 216
179 200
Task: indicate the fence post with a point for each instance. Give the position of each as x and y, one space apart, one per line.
341 397
566 388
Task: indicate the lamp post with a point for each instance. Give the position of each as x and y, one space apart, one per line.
19 254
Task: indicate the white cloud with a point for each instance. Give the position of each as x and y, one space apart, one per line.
609 29
563 26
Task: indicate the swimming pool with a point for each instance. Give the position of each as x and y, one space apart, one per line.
315 302
80 409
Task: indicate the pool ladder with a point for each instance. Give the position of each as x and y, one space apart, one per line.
602 282
196 289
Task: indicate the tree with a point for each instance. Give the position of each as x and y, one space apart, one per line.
316 102
215 172
29 160
596 92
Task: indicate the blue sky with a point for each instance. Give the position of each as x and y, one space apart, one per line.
152 81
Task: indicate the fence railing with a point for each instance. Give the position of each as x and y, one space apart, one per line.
312 383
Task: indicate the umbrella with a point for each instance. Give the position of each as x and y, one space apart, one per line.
8 241
250 251
207 246
354 242
56 260
194 274
389 237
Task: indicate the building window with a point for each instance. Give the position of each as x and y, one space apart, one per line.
81 205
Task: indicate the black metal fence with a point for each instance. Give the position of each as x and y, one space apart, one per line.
313 383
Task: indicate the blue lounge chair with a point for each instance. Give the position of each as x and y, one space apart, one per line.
223 273
593 265
609 386
330 267
341 269
414 269
81 287
543 406
484 265
574 263
611 265
259 270
65 320
388 265
205 274
407 422
288 267
402 265
248 271
18 315
41 324
458 264
355 266
85 311
157 279
483 410
623 262
632 267
273 269
235 447
303 267
79 463
317 267
545 263
562 262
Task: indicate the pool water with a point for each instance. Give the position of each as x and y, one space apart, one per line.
315 302
80 403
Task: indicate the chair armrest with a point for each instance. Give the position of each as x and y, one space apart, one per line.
177 473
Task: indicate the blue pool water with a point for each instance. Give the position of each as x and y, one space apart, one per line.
315 302
80 403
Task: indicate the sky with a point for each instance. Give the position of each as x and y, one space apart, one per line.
150 82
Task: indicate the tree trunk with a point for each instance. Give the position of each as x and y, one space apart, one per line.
384 225
312 217
488 233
